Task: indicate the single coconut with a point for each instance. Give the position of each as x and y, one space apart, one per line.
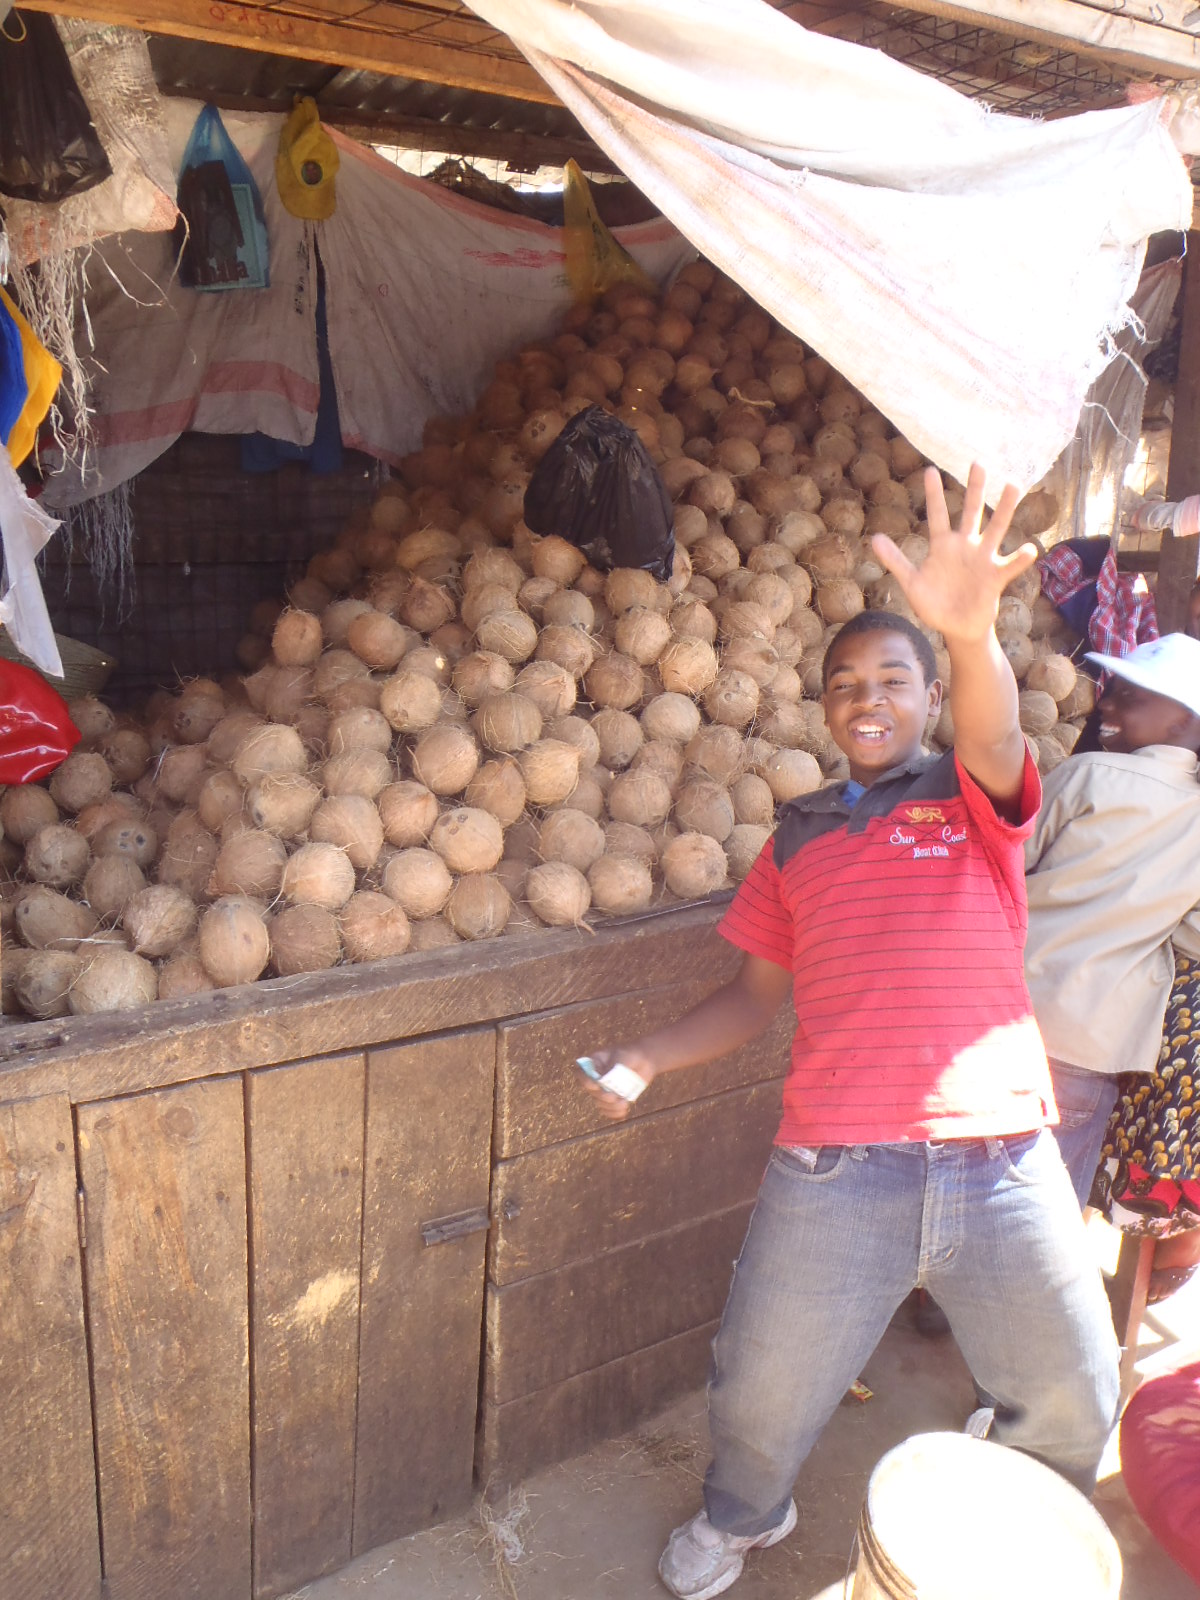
57 855
221 797
181 976
432 933
189 854
791 773
732 698
479 906
445 759
1037 711
642 635
744 846
555 558
620 884
671 716
361 772
468 839
558 894
497 787
281 803
1055 674
158 919
703 806
318 875
92 717
550 687
571 836
570 646
83 779
662 756
718 752
360 728
196 716
137 840
43 982
267 749
373 927
694 866
352 823
616 681
505 723
641 797
419 881
510 634
127 752
692 619
111 979
620 736
180 773
753 802
687 667
568 608
251 863
575 731
304 938
110 884
233 944
481 674
550 769
297 639
408 811
410 701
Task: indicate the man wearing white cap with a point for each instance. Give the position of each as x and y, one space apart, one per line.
1114 887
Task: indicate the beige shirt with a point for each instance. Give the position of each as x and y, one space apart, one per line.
1113 879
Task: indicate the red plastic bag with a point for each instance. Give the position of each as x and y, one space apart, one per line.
36 731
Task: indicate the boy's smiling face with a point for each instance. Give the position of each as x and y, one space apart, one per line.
877 703
1132 717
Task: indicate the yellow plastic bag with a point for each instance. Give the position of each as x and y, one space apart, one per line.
595 261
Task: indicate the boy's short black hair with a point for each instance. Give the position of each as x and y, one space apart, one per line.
884 622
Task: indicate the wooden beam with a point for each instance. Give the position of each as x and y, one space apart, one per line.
526 151
368 41
1106 31
1179 559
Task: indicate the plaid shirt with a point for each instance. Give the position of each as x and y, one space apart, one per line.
1118 606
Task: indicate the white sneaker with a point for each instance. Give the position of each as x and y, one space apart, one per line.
700 1561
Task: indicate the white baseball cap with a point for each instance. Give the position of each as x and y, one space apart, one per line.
1169 666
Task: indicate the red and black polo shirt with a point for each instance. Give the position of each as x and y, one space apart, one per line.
902 919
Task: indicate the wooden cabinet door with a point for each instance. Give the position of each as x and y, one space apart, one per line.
164 1179
425 1219
49 1543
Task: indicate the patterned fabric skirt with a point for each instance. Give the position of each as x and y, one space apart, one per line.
1148 1181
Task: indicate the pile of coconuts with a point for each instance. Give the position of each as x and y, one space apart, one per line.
453 728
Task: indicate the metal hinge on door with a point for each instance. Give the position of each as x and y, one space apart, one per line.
461 1224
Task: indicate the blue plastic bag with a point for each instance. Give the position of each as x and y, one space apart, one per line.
221 234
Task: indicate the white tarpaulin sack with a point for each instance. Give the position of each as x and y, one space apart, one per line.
965 269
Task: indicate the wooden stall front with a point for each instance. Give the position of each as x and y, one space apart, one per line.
287 1268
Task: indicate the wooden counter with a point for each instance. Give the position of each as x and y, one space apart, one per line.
284 1270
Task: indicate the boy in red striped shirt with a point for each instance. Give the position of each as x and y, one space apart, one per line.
914 1147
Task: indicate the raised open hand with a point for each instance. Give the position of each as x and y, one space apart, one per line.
957 588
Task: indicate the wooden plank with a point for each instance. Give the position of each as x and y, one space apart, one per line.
539 1099
1179 559
164 1177
289 1019
429 1122
304 1126
518 1438
571 1201
343 43
49 1542
609 1306
1109 33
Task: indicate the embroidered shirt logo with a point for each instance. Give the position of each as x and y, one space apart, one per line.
925 814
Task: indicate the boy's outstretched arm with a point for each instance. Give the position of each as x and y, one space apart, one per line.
723 1021
957 590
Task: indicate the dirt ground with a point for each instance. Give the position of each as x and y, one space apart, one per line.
592 1528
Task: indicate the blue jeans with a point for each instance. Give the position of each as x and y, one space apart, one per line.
1085 1101
839 1237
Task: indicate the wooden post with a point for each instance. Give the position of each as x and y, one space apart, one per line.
1179 559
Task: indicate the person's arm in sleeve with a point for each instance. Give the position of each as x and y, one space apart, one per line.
724 1021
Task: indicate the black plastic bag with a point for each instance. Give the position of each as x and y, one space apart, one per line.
597 487
49 148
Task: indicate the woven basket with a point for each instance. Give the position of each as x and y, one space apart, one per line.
85 669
